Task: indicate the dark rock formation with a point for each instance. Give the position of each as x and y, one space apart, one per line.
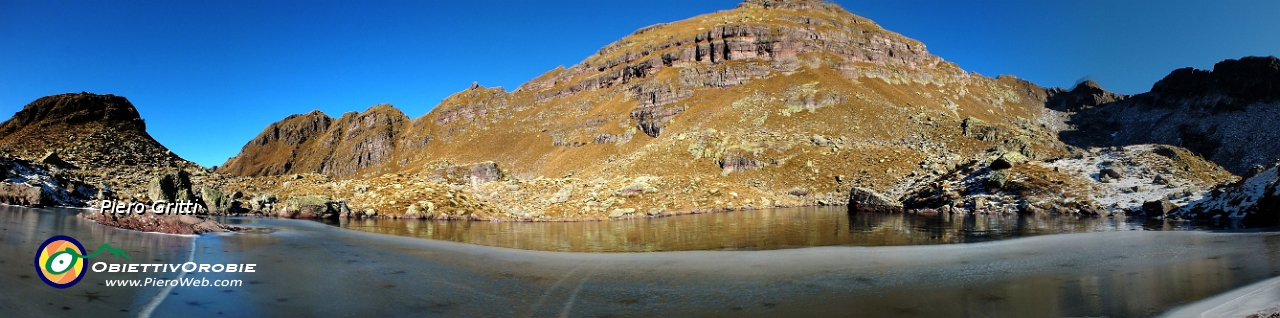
53 160
867 200
1087 94
1232 84
1000 164
1112 173
1159 207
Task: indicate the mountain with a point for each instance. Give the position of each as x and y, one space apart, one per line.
771 95
769 104
1226 115
85 129
66 149
315 142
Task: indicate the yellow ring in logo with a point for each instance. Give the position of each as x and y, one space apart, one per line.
59 261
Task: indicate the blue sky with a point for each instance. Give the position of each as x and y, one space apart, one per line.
210 75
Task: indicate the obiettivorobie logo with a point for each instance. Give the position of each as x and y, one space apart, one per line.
60 261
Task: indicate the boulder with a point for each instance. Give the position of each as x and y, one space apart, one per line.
413 212
1000 164
263 202
52 159
312 207
1158 207
214 201
867 200
171 187
617 213
1112 173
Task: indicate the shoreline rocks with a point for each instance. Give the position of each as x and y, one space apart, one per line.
168 224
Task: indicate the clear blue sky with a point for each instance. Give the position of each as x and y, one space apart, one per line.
210 75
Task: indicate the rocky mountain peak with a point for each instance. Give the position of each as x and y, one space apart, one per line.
85 129
1086 94
72 108
314 142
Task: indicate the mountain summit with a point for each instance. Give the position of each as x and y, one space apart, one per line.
86 129
765 99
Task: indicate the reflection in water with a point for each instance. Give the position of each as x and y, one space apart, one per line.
750 230
315 270
23 294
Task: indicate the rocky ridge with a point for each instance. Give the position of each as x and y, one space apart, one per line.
315 142
1224 114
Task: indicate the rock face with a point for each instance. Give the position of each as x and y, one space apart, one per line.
314 142
867 200
1225 115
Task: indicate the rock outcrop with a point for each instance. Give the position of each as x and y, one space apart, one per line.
867 200
169 224
467 174
22 194
36 184
79 146
215 202
1255 201
1085 95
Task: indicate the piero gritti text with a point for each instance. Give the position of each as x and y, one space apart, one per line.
158 207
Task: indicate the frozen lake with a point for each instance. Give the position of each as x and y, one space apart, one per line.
311 269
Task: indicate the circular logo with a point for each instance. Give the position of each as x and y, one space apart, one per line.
60 261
